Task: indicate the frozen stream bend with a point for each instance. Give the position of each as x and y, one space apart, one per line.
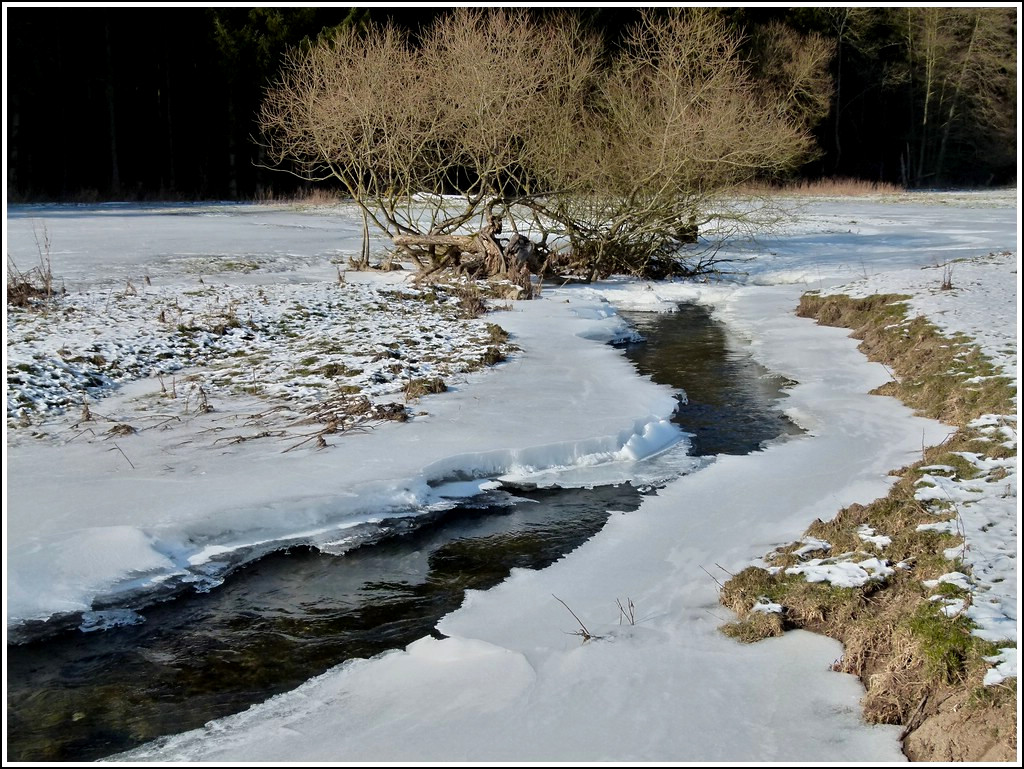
510 665
206 656
671 687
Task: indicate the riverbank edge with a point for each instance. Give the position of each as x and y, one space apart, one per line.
920 667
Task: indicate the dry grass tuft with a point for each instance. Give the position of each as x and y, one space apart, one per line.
492 356
417 388
27 289
756 626
748 587
310 196
496 334
34 288
896 690
471 300
831 187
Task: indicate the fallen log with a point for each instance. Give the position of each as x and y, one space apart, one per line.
479 255
465 242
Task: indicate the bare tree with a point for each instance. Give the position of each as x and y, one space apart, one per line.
495 126
679 122
351 108
793 69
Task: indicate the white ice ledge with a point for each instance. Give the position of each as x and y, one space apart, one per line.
567 403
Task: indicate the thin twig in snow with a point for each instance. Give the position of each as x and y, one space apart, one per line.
713 577
123 455
582 632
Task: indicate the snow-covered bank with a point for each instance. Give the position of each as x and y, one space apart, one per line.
186 500
512 681
670 687
974 253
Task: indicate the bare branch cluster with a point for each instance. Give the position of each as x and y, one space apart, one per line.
493 117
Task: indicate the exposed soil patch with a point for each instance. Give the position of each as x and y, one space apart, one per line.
959 729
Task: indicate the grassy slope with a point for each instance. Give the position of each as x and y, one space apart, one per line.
921 668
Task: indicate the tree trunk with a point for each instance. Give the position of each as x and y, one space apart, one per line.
957 91
465 242
364 256
14 128
840 32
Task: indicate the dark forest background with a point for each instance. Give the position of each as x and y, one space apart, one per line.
161 103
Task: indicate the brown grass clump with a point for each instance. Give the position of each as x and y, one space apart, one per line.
911 656
747 588
492 356
417 388
814 606
899 682
471 300
310 196
23 289
390 412
32 288
496 334
756 626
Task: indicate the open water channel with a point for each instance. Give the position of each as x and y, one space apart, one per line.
296 613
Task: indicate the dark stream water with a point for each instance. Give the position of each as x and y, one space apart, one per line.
293 615
732 401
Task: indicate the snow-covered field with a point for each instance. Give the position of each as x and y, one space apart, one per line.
233 344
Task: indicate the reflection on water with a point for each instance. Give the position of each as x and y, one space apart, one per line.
732 401
277 623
